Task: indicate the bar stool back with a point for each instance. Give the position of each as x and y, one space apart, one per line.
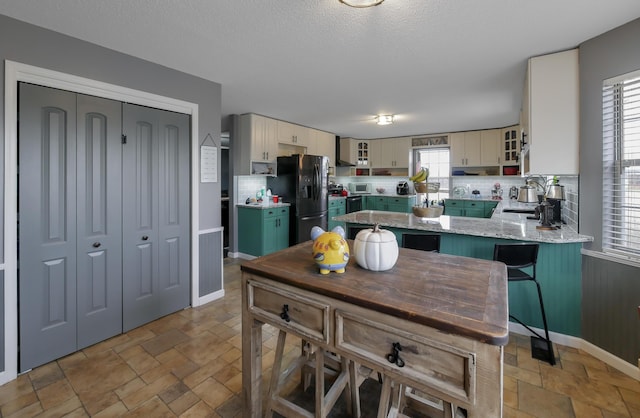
517 257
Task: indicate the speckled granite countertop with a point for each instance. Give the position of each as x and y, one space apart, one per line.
501 225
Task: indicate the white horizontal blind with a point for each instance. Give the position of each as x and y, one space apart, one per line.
621 166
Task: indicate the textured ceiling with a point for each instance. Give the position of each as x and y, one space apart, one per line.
439 65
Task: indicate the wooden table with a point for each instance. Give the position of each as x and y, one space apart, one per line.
449 313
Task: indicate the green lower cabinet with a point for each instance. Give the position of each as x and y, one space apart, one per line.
391 203
262 231
469 208
337 207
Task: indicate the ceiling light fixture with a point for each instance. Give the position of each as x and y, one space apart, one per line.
384 119
361 3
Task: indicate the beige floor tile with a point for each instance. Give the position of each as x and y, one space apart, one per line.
582 409
523 375
184 402
199 410
16 404
148 391
163 342
204 372
154 407
596 393
212 392
17 388
45 375
95 402
62 409
115 410
113 372
26 412
510 398
543 403
55 394
632 399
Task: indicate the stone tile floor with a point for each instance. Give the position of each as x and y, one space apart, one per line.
188 364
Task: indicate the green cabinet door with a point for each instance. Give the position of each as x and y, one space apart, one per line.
337 207
454 207
474 209
400 204
262 231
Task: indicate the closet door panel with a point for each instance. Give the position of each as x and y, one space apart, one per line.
155 214
47 228
99 186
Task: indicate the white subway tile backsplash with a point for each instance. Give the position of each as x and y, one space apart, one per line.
248 186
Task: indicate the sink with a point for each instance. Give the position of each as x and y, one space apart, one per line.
512 210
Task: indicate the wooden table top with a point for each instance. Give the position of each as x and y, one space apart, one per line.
459 295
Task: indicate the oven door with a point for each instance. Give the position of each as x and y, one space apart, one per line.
354 204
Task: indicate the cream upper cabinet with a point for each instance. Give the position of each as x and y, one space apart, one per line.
490 148
390 152
355 151
264 146
550 115
292 134
257 144
510 139
323 143
465 149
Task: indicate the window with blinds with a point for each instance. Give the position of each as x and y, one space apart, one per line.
621 166
437 161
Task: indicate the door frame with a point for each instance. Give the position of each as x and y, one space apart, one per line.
16 72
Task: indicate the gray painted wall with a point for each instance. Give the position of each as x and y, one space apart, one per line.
28 44
611 291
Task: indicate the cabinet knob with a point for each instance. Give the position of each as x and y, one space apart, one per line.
145 237
96 244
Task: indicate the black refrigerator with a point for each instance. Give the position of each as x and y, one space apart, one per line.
302 181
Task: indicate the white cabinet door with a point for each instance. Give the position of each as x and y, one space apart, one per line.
553 115
402 147
264 146
490 147
324 143
465 149
292 134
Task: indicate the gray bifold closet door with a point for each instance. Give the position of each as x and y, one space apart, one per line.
76 188
155 202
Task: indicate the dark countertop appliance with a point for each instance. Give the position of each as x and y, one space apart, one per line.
402 188
335 189
303 182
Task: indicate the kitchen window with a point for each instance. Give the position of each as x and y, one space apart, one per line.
621 166
437 161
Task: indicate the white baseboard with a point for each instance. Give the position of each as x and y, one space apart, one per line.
575 342
241 255
210 297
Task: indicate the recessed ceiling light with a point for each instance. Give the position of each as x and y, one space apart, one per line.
361 3
384 119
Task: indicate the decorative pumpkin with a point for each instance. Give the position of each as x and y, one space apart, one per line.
375 249
330 249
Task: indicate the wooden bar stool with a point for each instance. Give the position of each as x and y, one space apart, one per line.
395 397
312 358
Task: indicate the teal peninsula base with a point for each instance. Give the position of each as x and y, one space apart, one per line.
559 267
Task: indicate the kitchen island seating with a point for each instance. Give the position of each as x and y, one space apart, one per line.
517 257
424 242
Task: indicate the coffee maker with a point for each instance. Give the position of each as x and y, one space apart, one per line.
555 196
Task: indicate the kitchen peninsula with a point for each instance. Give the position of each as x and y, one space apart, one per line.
559 268
449 314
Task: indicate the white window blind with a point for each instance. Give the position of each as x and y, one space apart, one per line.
621 166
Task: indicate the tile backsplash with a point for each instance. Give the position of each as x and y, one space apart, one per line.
247 186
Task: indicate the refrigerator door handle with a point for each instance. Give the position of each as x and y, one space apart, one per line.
316 179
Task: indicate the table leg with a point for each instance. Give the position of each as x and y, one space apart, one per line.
252 367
